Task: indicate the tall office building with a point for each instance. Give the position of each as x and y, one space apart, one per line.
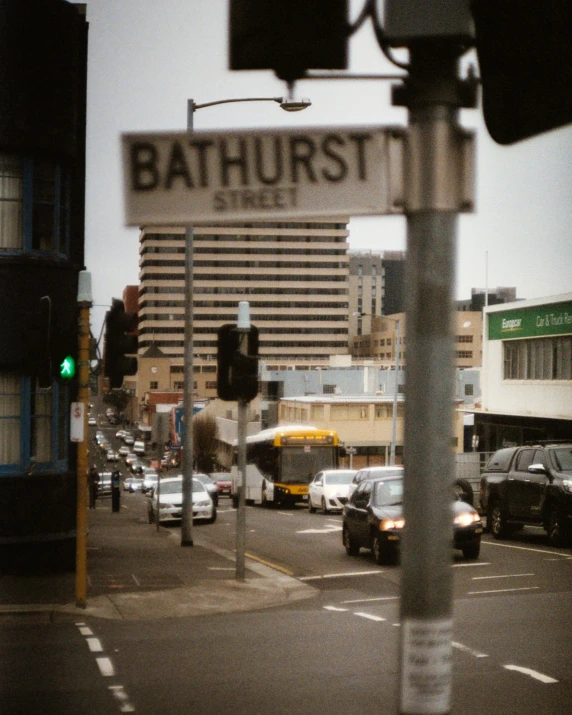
294 275
375 287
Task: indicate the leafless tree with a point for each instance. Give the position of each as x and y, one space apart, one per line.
205 440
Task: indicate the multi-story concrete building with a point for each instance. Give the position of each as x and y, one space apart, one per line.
294 275
375 287
480 297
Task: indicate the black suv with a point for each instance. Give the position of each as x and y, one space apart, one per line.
530 485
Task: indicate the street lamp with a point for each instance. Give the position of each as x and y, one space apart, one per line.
395 391
288 105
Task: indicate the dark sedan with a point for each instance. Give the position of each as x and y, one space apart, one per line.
373 519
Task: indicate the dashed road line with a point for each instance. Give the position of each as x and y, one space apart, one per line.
509 575
121 696
369 616
469 651
371 600
105 667
525 548
334 608
94 644
532 673
503 590
471 563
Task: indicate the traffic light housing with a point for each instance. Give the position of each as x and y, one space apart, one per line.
288 36
237 373
120 344
525 60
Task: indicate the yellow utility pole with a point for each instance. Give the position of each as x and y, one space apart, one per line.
84 304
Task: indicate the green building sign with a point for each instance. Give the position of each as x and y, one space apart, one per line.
539 321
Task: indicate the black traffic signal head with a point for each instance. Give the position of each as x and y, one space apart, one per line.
237 373
120 344
288 36
525 58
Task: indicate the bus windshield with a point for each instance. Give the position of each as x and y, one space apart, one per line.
300 464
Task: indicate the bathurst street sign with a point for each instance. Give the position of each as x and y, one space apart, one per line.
182 178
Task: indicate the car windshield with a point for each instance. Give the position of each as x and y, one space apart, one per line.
388 492
172 487
563 456
338 478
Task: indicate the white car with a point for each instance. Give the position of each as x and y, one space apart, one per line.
169 499
329 490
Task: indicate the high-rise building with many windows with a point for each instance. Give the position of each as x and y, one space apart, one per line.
294 275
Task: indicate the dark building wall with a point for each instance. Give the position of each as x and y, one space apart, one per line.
394 296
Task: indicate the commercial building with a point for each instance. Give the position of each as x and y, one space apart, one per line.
527 373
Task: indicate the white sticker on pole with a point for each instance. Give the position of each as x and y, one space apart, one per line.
427 667
77 421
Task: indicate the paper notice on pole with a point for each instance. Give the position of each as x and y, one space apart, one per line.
77 421
426 667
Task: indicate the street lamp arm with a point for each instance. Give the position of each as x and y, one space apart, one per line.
290 105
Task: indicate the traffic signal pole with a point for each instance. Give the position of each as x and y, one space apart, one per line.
434 181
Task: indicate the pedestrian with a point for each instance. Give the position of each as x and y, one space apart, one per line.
93 484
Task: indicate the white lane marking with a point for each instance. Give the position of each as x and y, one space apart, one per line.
503 590
533 673
334 608
509 575
85 631
105 667
285 513
378 619
121 696
222 568
137 582
368 600
338 575
525 548
94 645
471 563
470 651
328 529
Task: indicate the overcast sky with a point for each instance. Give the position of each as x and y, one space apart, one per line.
147 57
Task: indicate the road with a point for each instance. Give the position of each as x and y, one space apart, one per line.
336 653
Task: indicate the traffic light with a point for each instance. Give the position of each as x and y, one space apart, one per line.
288 36
525 59
120 342
237 373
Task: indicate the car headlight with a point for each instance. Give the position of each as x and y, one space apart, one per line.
467 518
205 502
389 524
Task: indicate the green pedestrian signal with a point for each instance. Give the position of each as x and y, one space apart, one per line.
67 368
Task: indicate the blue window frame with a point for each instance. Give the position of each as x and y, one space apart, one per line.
34 206
34 426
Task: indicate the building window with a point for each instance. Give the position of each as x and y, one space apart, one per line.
464 354
469 389
358 412
329 389
339 412
538 359
153 385
211 384
178 385
464 338
317 412
383 412
34 205
33 425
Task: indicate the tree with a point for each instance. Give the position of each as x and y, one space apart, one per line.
205 442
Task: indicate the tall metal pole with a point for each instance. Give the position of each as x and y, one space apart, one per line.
394 417
187 516
84 304
432 206
243 327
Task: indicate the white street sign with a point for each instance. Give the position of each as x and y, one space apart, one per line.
181 178
77 421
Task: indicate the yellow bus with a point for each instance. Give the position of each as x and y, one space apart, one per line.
281 462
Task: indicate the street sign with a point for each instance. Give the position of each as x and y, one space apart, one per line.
181 178
77 421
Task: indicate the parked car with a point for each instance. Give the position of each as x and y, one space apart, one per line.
169 501
111 456
373 519
529 485
120 433
223 482
128 439
139 447
371 473
329 489
92 422
131 457
150 479
137 467
209 485
127 483
123 450
135 484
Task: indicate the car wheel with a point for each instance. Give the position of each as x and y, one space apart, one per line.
311 507
497 522
382 553
352 549
472 552
554 527
324 507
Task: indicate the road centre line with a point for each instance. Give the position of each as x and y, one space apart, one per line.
378 619
525 548
121 696
533 673
105 667
370 600
470 651
338 575
334 608
478 563
502 590
510 575
94 644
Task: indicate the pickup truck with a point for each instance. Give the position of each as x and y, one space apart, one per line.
530 485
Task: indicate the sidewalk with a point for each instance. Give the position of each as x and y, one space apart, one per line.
138 572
